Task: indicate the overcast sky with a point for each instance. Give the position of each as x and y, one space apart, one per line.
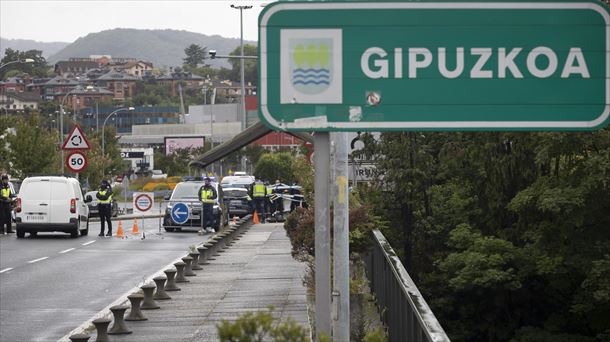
67 20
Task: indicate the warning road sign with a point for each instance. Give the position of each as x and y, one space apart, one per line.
76 140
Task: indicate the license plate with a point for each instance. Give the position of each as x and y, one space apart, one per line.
237 203
195 217
35 217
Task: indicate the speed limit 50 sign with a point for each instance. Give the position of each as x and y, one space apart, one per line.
76 162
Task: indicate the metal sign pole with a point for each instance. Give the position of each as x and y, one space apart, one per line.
341 330
322 231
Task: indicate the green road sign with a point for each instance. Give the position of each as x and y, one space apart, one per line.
336 66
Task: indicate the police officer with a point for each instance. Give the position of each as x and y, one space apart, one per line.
259 193
104 206
6 202
207 196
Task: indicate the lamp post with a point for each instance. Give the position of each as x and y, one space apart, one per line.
27 60
104 126
241 39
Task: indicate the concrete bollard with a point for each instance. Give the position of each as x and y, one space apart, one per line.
210 253
119 327
217 246
80 338
188 270
148 303
195 264
171 281
180 272
203 255
160 294
135 314
101 326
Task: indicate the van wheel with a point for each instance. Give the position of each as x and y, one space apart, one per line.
20 233
85 231
33 234
74 232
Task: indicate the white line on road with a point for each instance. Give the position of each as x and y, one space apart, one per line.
67 250
6 270
35 260
88 243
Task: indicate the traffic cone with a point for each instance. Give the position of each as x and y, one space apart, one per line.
119 232
256 217
134 229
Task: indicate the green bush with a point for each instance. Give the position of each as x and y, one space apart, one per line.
259 326
299 226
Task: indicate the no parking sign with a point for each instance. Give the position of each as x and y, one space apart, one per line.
143 202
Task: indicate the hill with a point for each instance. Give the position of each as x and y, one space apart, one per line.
48 49
164 48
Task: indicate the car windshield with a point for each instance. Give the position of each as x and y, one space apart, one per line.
235 193
187 190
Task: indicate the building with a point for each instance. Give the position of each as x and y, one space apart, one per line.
57 87
136 69
90 96
124 120
75 67
185 79
19 102
13 85
122 85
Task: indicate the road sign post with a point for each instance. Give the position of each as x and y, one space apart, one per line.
76 162
435 66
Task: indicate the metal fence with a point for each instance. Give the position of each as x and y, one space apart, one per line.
403 309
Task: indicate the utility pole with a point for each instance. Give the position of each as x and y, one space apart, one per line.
243 86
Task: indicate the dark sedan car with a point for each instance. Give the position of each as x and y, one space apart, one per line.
186 193
237 201
93 212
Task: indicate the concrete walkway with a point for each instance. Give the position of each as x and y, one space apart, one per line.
257 271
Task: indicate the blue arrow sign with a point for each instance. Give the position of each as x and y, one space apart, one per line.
180 213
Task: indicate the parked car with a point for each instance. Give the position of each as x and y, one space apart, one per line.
93 212
187 193
51 204
236 201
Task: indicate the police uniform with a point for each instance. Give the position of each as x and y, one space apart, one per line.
6 200
207 196
259 193
104 207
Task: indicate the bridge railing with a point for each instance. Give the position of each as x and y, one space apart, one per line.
403 309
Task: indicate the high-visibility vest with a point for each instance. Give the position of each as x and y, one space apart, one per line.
259 190
106 201
6 192
206 196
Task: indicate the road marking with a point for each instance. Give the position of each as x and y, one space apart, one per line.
67 250
88 243
36 260
6 270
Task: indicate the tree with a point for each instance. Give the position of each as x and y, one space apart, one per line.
31 149
39 68
250 65
273 166
195 55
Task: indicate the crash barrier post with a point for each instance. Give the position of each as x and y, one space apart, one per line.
403 309
195 264
149 303
180 272
171 280
119 327
101 326
160 283
216 241
188 270
224 240
135 314
80 338
210 246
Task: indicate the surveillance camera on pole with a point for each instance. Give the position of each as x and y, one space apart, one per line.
212 54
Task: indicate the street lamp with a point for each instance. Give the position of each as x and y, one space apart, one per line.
27 60
243 86
104 126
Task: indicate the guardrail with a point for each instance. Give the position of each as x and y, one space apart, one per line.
403 309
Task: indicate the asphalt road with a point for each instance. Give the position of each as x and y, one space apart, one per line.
50 284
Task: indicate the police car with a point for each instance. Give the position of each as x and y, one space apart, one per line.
184 208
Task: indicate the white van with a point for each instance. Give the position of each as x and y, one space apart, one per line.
51 204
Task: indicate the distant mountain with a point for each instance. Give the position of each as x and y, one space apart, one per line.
164 48
25 45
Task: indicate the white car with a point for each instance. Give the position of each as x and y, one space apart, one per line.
51 204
